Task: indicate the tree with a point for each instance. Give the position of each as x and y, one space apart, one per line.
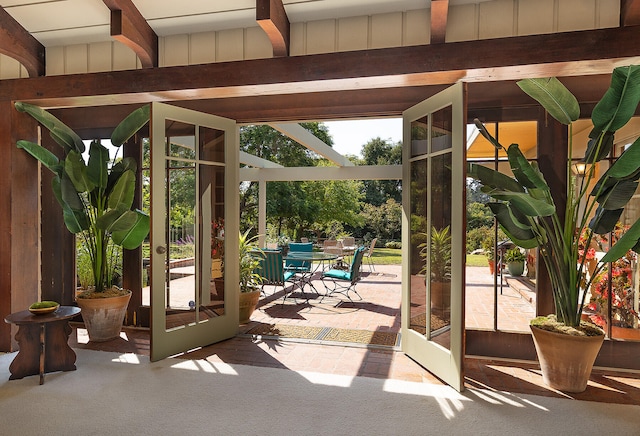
384 221
381 152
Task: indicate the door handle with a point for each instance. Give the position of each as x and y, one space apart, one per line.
161 249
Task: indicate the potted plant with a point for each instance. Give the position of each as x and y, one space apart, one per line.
96 199
514 258
250 280
438 255
526 211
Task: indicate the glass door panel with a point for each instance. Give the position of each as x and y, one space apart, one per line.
433 235
190 154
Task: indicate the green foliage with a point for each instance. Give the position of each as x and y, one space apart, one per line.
96 196
514 255
437 254
524 206
393 244
478 215
250 280
384 221
381 152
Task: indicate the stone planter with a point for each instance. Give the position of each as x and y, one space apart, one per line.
103 317
516 269
566 361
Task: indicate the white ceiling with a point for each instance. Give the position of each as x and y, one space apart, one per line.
68 22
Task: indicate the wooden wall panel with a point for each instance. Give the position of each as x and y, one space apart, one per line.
256 44
100 56
417 25
230 45
353 33
203 47
76 59
10 68
535 16
124 58
54 61
175 50
462 24
608 13
321 37
496 19
576 15
386 30
297 39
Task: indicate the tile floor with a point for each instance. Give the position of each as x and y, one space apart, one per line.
379 310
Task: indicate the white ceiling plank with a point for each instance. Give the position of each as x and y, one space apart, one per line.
313 143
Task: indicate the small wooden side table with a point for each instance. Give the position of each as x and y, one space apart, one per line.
44 343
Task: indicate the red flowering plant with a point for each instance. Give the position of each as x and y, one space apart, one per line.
623 312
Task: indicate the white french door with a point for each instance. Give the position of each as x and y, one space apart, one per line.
194 196
433 239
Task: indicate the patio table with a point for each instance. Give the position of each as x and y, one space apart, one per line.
317 260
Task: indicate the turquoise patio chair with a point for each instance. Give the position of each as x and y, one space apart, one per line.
272 271
341 281
299 266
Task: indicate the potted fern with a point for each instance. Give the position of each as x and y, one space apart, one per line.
514 258
437 256
96 197
526 211
250 279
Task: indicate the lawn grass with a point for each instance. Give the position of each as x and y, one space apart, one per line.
392 256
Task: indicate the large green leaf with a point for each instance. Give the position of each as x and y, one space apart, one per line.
554 97
527 174
135 235
116 220
619 103
47 158
599 146
124 164
130 125
492 178
69 193
628 163
76 169
76 221
121 196
98 163
483 131
60 132
515 229
627 242
618 195
525 203
604 221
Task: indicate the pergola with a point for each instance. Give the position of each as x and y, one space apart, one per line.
291 85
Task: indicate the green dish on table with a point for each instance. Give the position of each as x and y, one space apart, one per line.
43 307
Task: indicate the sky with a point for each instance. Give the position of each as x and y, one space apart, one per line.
349 136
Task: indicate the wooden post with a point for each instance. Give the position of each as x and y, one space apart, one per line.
553 152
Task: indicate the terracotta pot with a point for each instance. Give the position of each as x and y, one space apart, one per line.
441 297
248 303
103 317
626 333
492 266
566 361
219 288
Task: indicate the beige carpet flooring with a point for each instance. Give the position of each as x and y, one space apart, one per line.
125 394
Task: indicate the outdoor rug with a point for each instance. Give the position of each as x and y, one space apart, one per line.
366 337
125 394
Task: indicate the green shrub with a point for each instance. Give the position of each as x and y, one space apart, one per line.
393 244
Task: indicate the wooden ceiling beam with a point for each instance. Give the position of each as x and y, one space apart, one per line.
629 12
562 54
20 45
272 17
129 27
439 14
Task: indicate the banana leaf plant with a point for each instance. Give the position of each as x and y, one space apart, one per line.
96 196
525 208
